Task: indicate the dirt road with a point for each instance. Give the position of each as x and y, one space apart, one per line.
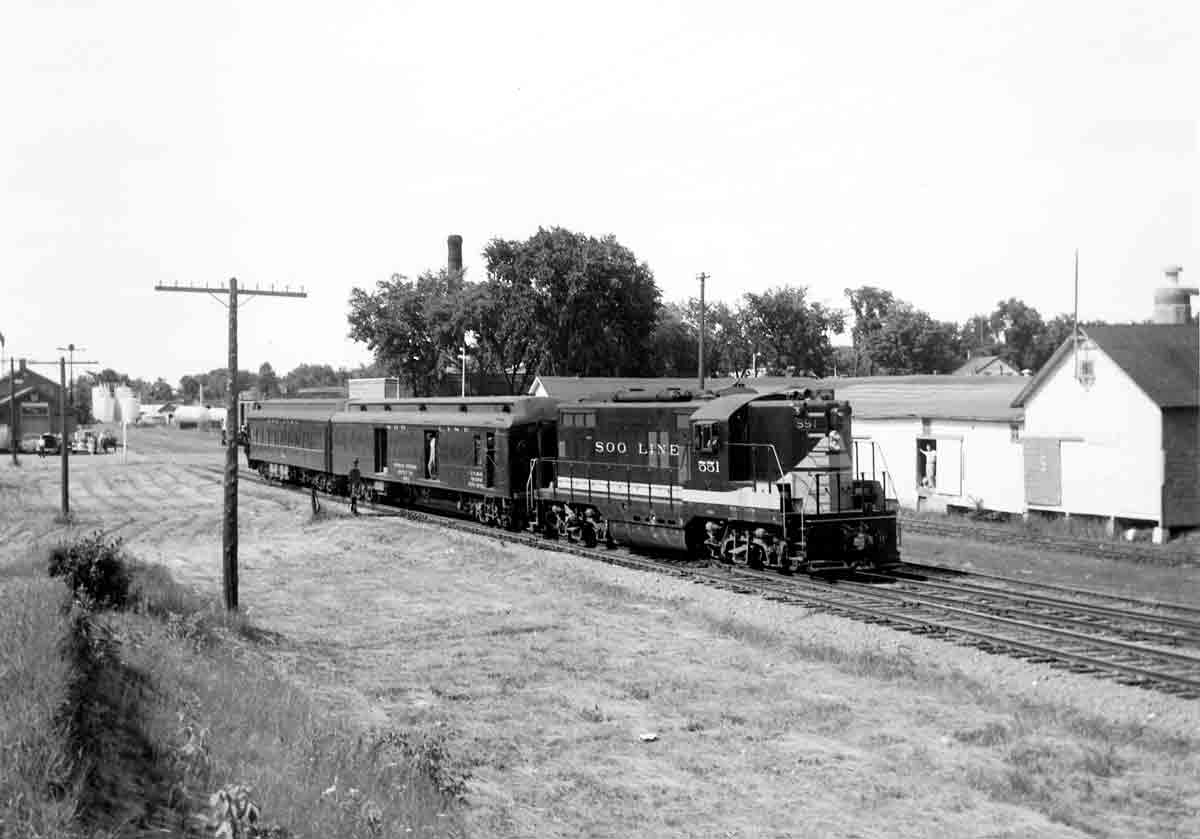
593 701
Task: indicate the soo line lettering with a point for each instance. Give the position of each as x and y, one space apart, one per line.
609 447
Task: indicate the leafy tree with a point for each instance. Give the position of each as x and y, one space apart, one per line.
595 305
895 337
82 399
268 382
976 337
673 343
1055 332
845 360
314 375
1021 326
910 341
110 376
501 314
413 327
189 388
793 333
160 391
728 346
871 307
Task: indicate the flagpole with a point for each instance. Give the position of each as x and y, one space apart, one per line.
1075 320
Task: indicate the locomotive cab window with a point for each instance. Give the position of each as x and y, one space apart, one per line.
707 439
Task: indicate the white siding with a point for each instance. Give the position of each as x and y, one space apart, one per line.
1112 458
979 459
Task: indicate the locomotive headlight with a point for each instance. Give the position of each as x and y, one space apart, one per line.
835 441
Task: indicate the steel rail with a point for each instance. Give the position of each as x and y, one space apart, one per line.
1191 629
870 604
1165 605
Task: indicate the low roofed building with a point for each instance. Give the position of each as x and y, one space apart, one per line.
986 365
37 408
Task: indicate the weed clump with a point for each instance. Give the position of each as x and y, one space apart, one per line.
95 570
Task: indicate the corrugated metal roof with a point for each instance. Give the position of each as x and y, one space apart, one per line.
987 398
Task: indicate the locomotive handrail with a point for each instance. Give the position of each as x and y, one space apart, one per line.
592 483
770 447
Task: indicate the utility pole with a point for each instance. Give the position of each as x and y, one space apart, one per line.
702 277
463 356
12 411
70 350
64 446
229 535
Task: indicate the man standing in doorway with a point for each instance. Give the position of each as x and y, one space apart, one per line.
355 482
930 455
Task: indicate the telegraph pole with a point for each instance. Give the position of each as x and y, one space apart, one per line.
12 411
702 277
229 535
70 349
463 356
64 446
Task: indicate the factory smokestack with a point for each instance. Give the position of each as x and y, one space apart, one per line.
454 254
1172 302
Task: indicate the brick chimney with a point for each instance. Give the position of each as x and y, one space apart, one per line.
454 254
1173 302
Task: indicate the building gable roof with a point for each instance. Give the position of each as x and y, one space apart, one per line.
27 382
994 364
1162 359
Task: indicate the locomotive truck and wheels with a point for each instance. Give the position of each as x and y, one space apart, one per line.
766 480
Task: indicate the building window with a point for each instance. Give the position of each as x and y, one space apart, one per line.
926 426
1087 371
1014 432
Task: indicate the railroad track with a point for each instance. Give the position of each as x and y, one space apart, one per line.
1128 645
1135 552
1083 610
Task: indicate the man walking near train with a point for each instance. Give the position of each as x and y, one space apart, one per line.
355 483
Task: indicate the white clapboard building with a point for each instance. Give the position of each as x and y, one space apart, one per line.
1111 427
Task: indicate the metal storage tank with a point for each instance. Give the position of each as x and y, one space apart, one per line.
103 404
191 416
129 408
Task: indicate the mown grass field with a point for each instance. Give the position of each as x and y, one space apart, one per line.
570 699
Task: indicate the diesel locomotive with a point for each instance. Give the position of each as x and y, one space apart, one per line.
768 480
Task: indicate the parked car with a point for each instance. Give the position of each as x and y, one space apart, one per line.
85 441
107 442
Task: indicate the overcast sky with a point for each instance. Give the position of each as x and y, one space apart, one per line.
952 154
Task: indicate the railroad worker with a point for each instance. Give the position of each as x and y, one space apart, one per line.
930 471
431 467
355 483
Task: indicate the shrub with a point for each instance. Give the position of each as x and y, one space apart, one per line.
95 569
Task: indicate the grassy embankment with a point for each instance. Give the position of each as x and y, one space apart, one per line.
133 712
